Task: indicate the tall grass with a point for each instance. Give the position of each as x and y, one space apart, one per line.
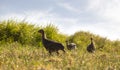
12 31
26 33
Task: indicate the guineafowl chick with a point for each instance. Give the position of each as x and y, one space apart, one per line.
91 46
70 46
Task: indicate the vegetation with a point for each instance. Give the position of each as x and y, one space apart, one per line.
21 48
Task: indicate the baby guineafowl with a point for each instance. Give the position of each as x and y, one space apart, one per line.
70 46
91 47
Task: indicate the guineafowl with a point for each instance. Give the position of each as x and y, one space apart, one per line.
91 47
70 46
51 46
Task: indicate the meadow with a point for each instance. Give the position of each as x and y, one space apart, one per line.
21 49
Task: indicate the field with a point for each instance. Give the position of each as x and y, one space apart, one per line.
21 49
17 57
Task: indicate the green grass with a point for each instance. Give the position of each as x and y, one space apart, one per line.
23 57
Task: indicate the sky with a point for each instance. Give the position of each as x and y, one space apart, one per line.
101 17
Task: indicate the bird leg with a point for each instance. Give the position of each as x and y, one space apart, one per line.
63 50
50 52
57 52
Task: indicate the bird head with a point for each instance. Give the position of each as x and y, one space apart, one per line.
66 41
91 38
41 31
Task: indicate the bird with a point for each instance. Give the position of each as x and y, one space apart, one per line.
50 45
70 46
91 46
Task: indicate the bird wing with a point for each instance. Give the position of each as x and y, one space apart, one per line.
50 43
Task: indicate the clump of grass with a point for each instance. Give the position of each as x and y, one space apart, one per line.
13 31
26 33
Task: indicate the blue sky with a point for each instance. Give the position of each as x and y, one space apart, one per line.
96 16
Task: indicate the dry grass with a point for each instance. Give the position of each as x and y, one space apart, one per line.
17 57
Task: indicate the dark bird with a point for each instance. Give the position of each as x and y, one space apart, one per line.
51 46
91 47
70 46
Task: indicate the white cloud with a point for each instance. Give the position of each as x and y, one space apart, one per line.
69 7
36 17
12 16
103 29
109 11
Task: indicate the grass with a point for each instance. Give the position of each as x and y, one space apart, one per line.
23 57
21 49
